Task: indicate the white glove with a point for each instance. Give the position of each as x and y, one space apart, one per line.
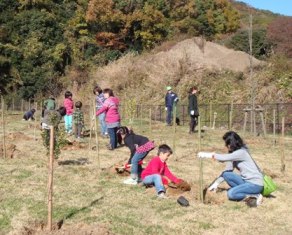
205 155
215 184
192 112
165 108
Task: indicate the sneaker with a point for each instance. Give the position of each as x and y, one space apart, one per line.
131 181
161 195
253 200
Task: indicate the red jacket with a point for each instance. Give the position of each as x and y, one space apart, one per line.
156 166
68 104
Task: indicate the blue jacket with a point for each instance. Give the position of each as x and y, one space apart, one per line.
170 99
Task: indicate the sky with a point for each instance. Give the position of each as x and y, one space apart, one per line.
283 7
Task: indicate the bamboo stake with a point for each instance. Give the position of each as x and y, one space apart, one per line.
245 121
231 115
214 120
263 123
50 180
174 132
201 189
3 126
91 125
150 118
35 121
210 113
274 126
96 142
283 166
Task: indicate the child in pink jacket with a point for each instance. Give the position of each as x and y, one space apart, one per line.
157 172
68 104
112 116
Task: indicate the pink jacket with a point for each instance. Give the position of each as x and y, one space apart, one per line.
156 166
111 109
68 104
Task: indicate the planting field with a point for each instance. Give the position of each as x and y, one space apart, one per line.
90 198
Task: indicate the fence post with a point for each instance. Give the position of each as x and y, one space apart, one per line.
283 146
50 180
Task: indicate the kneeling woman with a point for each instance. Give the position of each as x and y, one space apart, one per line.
250 181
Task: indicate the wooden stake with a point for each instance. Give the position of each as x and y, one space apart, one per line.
263 123
231 115
150 118
35 121
245 121
274 127
210 113
50 180
91 124
214 120
3 126
283 166
174 132
96 143
201 187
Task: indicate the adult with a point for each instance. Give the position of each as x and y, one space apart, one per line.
99 101
193 109
171 100
112 117
249 183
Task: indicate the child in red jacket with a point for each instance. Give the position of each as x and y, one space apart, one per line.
157 172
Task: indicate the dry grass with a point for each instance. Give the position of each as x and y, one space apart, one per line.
94 201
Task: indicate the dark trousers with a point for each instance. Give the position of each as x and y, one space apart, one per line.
169 115
78 129
193 123
112 132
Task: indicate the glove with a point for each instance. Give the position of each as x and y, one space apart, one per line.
215 184
205 155
193 112
165 108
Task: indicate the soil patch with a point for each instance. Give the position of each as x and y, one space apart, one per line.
11 151
19 136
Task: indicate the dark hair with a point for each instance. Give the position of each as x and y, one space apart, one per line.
164 148
78 104
123 130
97 89
62 111
68 94
192 89
109 91
32 110
233 141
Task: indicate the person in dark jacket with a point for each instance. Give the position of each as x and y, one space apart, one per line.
171 100
139 146
29 115
193 109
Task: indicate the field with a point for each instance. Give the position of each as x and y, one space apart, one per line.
89 198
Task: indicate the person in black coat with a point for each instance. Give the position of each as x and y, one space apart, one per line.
139 146
29 115
193 109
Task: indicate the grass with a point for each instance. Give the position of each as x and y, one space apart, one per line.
84 194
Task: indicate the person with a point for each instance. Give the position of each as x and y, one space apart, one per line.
112 117
50 103
157 172
99 100
53 117
29 115
193 109
68 104
247 185
78 119
171 100
139 146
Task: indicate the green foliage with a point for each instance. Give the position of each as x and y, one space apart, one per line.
261 47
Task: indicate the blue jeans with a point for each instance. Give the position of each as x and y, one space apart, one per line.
240 188
169 115
113 137
136 168
156 180
68 123
103 128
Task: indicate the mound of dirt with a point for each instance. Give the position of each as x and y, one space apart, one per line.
11 151
19 136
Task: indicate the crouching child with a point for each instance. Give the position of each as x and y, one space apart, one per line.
157 173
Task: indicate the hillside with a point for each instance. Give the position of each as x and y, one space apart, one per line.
189 62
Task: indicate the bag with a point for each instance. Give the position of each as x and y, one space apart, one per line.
183 201
269 186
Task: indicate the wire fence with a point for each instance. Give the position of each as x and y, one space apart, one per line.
227 116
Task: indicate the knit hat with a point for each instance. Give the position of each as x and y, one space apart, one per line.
168 88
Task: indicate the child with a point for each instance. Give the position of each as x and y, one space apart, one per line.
250 181
112 117
78 119
99 100
29 115
139 146
68 104
157 172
